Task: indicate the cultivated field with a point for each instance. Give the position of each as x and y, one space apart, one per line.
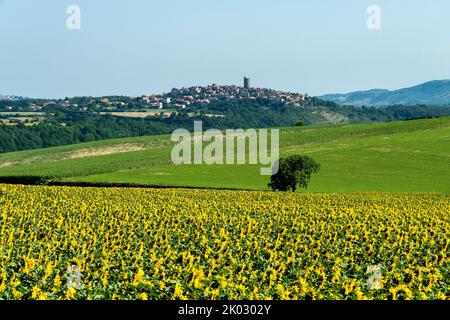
85 243
410 156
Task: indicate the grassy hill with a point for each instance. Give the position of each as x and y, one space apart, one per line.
410 156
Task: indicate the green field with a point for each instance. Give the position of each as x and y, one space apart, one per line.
410 156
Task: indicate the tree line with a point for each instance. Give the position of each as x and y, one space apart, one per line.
62 127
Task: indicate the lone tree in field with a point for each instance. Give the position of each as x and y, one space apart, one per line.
294 171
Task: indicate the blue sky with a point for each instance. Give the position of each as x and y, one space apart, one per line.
138 47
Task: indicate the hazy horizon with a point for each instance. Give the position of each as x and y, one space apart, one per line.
167 91
137 47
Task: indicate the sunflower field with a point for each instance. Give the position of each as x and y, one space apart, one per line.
116 243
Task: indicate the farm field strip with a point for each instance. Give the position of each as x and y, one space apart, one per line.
409 156
95 243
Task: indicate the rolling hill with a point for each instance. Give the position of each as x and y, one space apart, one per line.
409 156
429 93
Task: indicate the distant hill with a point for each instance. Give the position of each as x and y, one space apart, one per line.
429 93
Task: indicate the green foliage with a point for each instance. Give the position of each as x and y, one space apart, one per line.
353 158
293 171
65 126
